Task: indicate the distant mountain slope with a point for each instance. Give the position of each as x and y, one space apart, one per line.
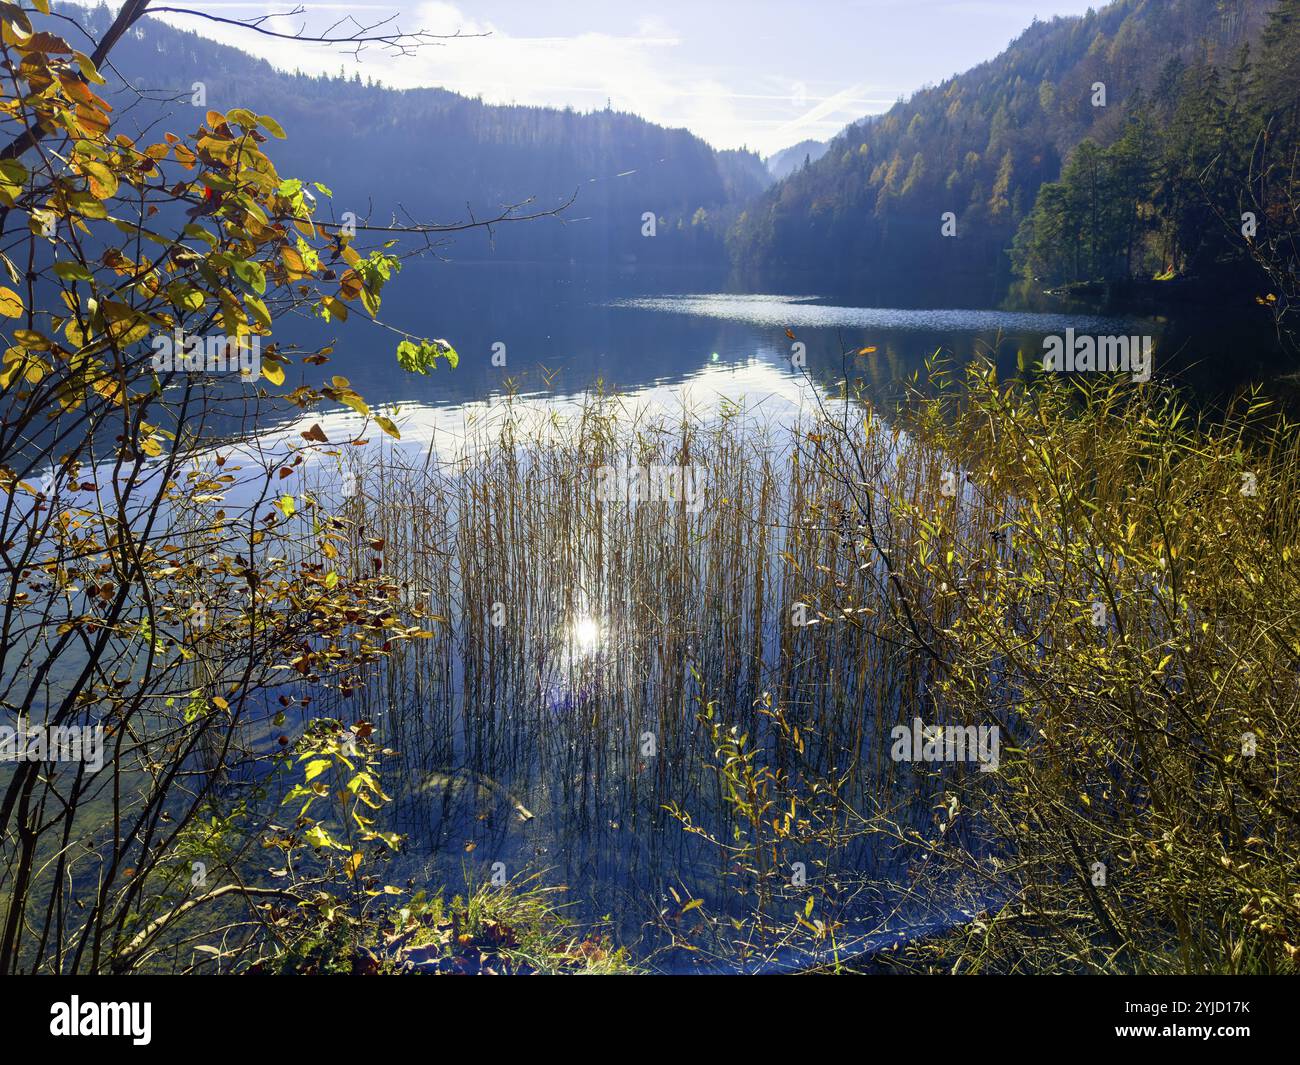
785 162
428 153
981 144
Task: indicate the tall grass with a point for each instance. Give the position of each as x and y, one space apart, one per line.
1076 566
690 604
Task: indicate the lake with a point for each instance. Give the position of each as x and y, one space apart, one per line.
586 704
583 704
560 331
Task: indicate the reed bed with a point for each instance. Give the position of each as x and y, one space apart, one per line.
578 640
698 702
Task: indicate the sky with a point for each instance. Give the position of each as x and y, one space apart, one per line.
763 74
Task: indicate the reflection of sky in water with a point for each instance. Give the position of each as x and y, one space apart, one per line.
447 434
793 311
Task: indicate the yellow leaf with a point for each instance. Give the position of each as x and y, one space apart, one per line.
273 372
259 310
335 307
88 69
293 264
315 768
355 402
11 304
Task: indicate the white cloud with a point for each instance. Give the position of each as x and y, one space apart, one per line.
644 71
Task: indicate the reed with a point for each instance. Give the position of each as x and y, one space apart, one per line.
724 778
618 621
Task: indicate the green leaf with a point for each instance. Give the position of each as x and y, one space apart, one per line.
12 177
199 233
251 274
259 310
73 272
422 357
187 297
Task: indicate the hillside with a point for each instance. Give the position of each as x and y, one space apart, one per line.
980 145
426 154
785 162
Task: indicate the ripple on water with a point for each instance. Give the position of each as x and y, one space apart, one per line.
791 311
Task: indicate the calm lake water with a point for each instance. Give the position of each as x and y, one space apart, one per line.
660 340
551 715
551 712
562 331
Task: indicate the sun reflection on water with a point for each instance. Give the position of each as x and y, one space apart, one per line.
587 636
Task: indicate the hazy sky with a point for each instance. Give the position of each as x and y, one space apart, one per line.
762 73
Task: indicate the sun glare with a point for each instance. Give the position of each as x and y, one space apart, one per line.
586 634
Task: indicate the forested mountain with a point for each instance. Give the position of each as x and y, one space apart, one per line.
1204 161
424 154
785 162
1162 78
1077 154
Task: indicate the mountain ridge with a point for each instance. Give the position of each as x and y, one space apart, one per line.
435 156
980 145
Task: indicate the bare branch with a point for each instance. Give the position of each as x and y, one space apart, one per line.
354 38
